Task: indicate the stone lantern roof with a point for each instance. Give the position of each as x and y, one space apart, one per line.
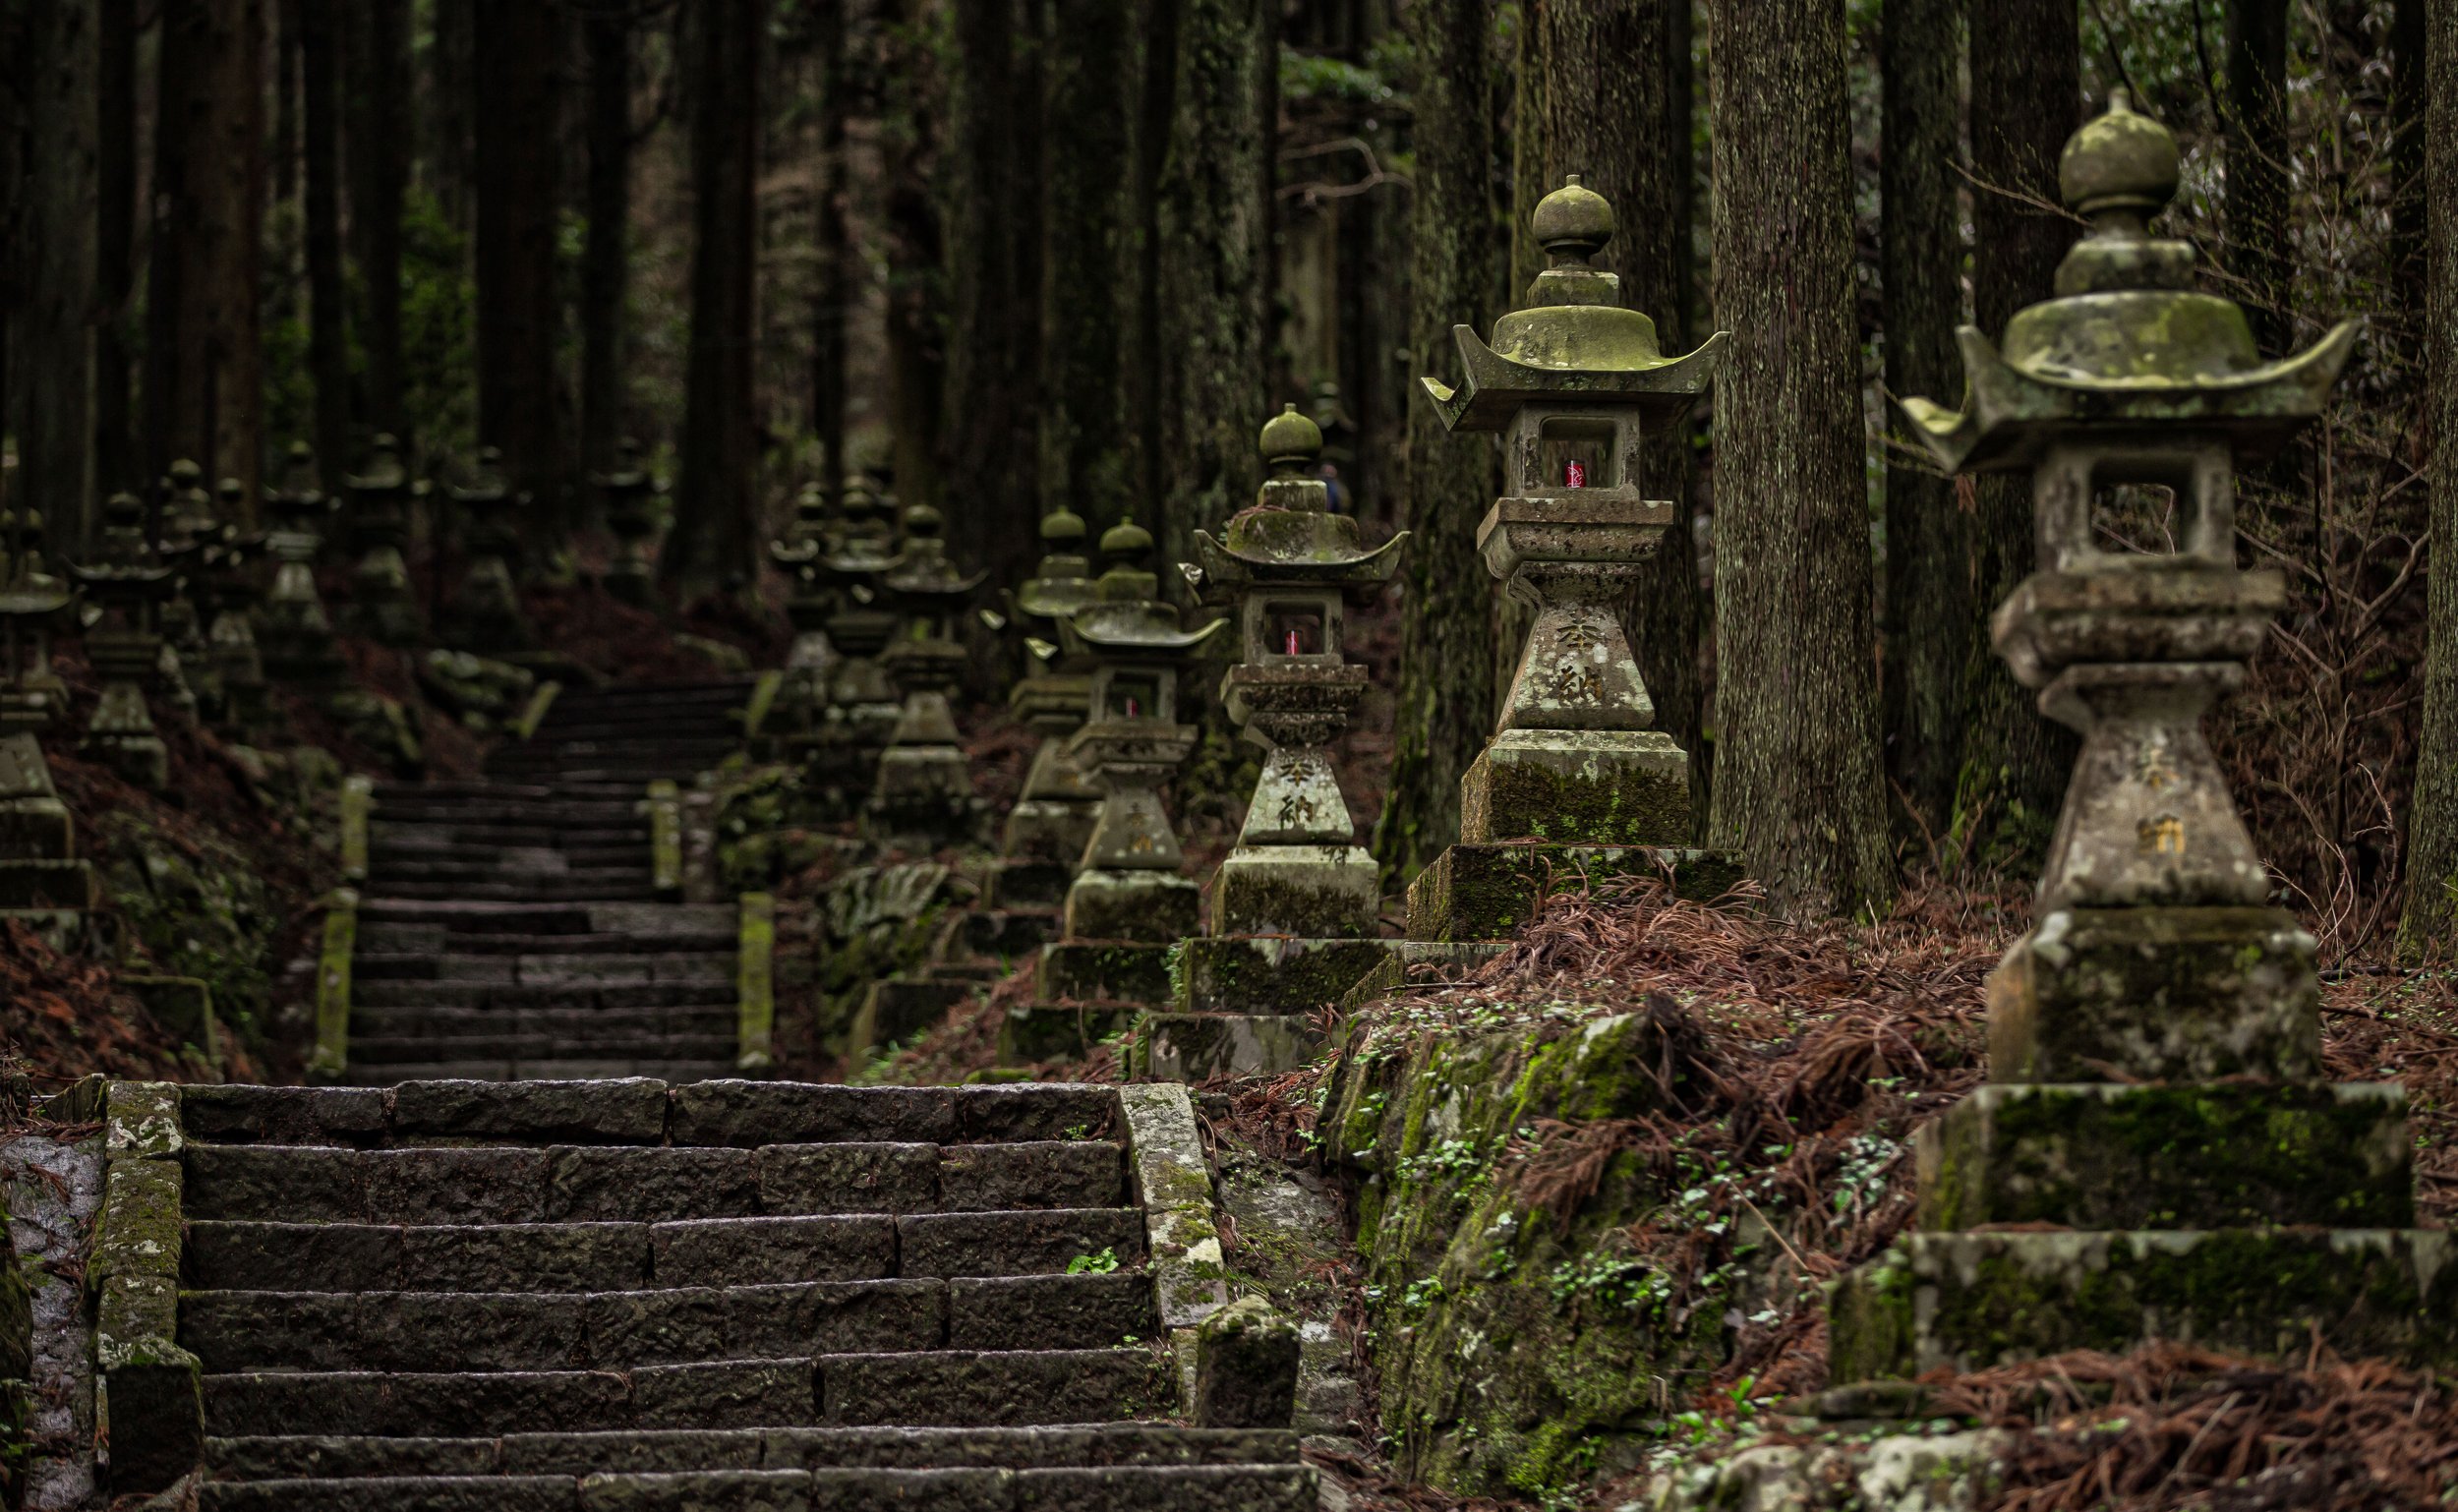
1290 535
1573 341
2127 341
1127 617
922 574
1062 582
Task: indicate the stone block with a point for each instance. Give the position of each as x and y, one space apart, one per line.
698 1490
893 1010
1082 1311
650 1186
1967 1302
69 886
1155 906
1059 1031
792 1321
301 1257
1046 1110
1041 1172
628 1112
152 1403
1313 892
2156 994
758 1251
455 1186
2219 1155
753 1112
850 1177
1197 1047
731 1395
1007 932
957 1388
1180 1487
283 1115
869 1489
1025 882
1105 971
1272 974
1485 892
1016 1243
1246 1359
1578 787
541 1256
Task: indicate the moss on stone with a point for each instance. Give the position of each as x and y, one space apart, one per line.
1486 892
1270 975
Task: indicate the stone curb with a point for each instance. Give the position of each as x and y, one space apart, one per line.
665 807
756 1013
331 1055
526 727
358 801
1174 1184
152 1406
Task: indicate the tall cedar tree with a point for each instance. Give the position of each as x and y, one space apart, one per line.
329 339
1616 111
1212 225
2429 924
1445 709
717 467
115 259
287 123
515 78
203 360
2026 92
447 112
2408 75
50 337
377 126
1089 285
1798 790
831 239
2256 163
916 301
994 323
606 255
1929 611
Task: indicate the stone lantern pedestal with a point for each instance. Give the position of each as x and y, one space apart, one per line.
123 646
922 798
486 616
2158 1154
297 637
44 882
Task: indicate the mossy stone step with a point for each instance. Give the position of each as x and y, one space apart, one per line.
527 996
1485 892
1125 1489
445 1023
716 1048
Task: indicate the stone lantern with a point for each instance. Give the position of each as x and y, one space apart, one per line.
230 639
922 798
128 584
1297 906
297 640
186 532
1128 905
862 703
485 615
630 497
790 717
2158 1152
382 605
42 879
1054 816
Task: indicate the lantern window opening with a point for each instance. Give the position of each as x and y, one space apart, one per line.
1136 695
1295 631
1577 451
2101 506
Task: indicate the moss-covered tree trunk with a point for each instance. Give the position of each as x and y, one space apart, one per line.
2256 164
1446 706
917 288
1212 227
516 188
2427 929
51 338
1929 611
605 253
116 452
2026 101
716 512
831 242
378 41
1798 790
203 363
1091 285
1616 111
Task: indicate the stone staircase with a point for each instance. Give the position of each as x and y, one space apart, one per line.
726 1296
517 927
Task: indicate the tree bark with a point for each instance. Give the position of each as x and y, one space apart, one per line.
606 256
517 188
1798 790
1929 611
50 339
1614 116
2409 95
329 339
716 506
450 106
1445 711
1213 224
203 352
376 63
2256 164
286 102
2428 924
916 297
2025 100
116 464
1089 291
832 245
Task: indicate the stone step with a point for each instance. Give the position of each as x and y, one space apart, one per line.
415 840
387 938
1284 1487
544 970
550 888
936 1389
235 1331
397 1051
588 1026
513 866
481 917
1044 1198
464 994
589 813
572 1066
1089 1446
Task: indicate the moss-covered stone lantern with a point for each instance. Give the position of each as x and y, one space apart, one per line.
1297 906
786 711
1054 816
186 532
862 703
297 639
923 796
1128 905
44 882
382 605
2158 1152
486 613
629 495
128 584
245 712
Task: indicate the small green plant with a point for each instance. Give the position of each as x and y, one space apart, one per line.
1079 1131
1093 1265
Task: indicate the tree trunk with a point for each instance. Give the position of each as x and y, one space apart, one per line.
329 339
286 101
1090 286
606 257
993 314
51 336
517 188
916 298
1445 711
1929 611
378 59
2409 93
116 464
1613 115
1213 225
832 283
2429 923
202 361
2256 164
2025 100
1799 788
717 507
450 106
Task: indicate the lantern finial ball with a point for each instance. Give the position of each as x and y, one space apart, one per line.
1291 439
1126 541
1573 222
1061 527
2119 161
